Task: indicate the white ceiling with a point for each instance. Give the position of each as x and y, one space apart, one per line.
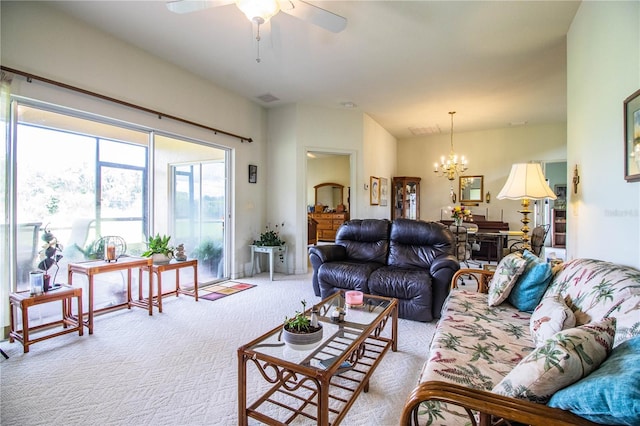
405 63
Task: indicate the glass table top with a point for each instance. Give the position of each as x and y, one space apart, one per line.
338 337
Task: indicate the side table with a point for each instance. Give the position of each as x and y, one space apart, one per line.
23 301
271 250
158 270
95 267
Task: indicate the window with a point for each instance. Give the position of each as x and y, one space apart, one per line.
83 179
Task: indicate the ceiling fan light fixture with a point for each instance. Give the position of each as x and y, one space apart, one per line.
258 11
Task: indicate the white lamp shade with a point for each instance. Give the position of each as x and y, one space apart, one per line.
526 181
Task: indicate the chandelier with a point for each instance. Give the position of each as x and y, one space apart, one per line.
452 166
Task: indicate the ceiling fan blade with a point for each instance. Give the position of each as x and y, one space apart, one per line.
314 14
188 6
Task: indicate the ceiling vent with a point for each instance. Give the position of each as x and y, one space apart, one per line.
422 131
268 97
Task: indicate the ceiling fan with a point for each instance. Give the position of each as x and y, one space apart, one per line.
260 11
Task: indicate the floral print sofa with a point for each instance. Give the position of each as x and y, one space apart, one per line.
573 359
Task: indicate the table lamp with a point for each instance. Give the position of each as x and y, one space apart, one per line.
526 182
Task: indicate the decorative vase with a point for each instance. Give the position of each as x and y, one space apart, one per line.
302 341
160 259
458 221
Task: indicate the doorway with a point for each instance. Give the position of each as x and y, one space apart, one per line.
329 167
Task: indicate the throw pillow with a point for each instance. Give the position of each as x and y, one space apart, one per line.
611 394
530 287
504 277
564 359
550 316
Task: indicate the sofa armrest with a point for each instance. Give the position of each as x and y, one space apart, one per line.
487 404
480 276
322 254
328 253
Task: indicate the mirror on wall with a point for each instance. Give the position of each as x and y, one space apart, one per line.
329 195
471 189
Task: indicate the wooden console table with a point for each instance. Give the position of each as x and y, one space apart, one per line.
174 265
95 267
23 301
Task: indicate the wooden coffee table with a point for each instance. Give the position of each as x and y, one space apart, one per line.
314 385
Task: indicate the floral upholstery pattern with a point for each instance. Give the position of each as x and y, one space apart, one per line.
477 345
597 289
507 273
550 316
564 359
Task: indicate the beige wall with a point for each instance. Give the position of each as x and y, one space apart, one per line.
490 154
38 39
603 69
379 160
301 128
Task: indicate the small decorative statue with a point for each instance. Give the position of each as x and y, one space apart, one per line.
180 253
49 256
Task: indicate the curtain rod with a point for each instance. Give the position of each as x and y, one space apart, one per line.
117 101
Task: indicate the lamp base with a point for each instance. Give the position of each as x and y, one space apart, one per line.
525 223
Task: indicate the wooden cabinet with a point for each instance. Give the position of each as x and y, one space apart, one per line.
405 198
328 224
559 235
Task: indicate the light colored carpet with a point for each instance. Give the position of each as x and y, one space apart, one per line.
180 367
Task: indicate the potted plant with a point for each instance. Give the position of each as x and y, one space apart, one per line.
159 249
270 237
49 257
209 254
302 332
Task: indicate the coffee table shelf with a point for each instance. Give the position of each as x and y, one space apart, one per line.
297 386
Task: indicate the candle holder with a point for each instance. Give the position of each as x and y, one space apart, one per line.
111 248
354 298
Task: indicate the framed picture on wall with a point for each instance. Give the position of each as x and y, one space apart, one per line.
384 190
374 188
632 138
253 173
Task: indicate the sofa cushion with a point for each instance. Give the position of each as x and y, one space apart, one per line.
412 288
611 394
550 316
365 240
347 275
504 277
531 285
564 359
416 244
475 345
599 289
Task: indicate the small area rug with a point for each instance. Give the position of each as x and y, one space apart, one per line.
223 289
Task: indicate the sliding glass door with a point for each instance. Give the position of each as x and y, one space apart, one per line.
197 210
198 198
84 178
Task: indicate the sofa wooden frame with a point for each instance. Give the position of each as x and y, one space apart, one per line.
491 408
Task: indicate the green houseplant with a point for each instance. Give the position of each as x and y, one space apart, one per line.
270 237
209 254
302 332
159 249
